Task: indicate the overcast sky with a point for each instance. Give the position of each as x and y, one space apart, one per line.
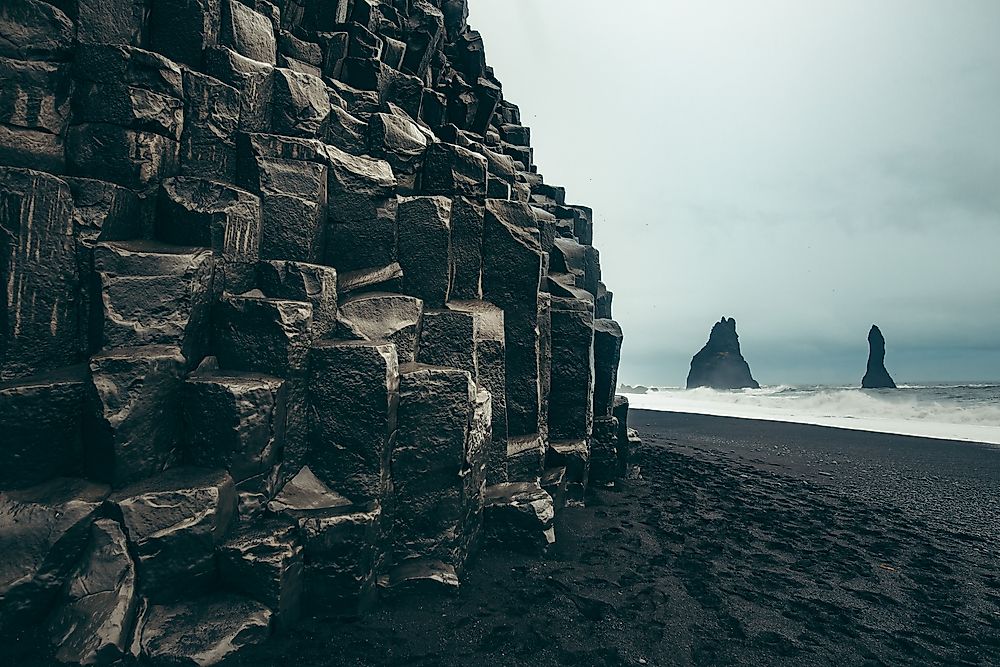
807 167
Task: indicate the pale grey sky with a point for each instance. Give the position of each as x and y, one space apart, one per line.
809 167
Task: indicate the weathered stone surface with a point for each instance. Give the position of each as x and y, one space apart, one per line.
719 364
38 320
304 495
386 278
469 335
247 32
525 459
397 140
301 104
182 29
422 576
93 623
153 294
201 632
234 420
425 251
135 430
111 21
41 419
298 281
174 522
43 530
519 516
211 119
607 352
264 562
571 397
254 81
34 113
454 171
429 461
467 248
351 440
554 482
34 30
362 212
604 460
135 159
255 333
876 376
381 316
512 270
574 457
210 214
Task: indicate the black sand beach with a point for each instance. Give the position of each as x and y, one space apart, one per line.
741 543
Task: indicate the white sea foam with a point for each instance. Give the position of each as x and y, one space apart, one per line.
953 412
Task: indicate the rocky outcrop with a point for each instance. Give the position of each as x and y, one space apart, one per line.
876 376
719 364
290 320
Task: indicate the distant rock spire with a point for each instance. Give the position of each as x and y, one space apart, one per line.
719 364
876 377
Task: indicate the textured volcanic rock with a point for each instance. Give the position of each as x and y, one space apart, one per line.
43 530
286 277
876 377
93 625
719 364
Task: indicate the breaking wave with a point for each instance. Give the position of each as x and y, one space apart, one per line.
968 412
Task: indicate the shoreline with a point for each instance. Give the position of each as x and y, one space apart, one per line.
969 433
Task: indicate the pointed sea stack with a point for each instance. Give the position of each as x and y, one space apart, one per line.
719 364
876 377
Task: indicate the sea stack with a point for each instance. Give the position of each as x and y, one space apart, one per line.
876 377
719 364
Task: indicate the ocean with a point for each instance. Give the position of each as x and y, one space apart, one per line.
952 411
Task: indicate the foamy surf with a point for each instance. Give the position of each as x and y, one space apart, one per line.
967 412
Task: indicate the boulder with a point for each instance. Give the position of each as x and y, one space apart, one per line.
425 251
519 516
137 392
719 364
43 531
38 268
174 522
876 376
203 631
93 623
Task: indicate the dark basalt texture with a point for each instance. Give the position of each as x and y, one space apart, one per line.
290 321
876 376
719 364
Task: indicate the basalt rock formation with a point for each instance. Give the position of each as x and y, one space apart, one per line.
719 364
290 319
876 376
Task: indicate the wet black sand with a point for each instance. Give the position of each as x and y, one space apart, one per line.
743 542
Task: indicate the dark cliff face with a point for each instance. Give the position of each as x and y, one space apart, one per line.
876 376
719 364
257 255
